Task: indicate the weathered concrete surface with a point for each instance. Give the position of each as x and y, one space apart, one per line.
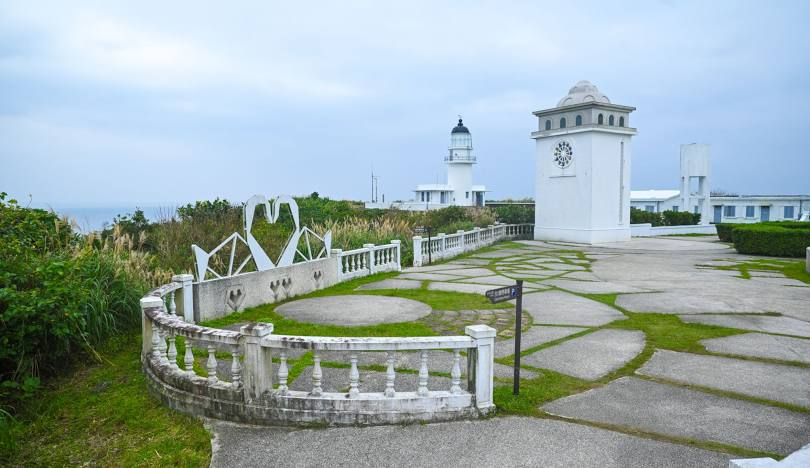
763 323
429 276
460 287
562 308
762 345
592 287
391 283
532 337
354 310
591 356
493 280
512 441
680 412
671 244
467 272
787 384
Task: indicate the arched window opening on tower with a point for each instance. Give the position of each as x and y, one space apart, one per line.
621 121
601 119
578 121
611 121
548 124
562 122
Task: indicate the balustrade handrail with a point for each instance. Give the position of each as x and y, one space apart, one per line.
328 343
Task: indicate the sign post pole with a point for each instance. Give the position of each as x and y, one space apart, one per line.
518 326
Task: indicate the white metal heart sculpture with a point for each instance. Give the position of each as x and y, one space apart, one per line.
257 253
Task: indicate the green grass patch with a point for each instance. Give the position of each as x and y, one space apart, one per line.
103 415
794 269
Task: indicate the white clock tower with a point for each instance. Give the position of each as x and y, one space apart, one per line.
583 169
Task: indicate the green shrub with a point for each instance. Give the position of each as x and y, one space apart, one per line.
680 218
724 231
765 239
57 296
514 214
644 217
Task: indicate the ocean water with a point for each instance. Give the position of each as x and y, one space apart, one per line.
96 218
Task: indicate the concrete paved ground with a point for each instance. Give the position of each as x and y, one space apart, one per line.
510 441
354 310
658 275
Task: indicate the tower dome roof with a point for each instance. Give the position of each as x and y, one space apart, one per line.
583 91
460 128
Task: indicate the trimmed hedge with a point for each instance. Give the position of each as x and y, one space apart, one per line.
772 239
724 231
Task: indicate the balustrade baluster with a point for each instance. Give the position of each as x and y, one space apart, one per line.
455 374
188 357
211 365
317 375
423 373
172 354
162 347
172 305
390 375
354 377
156 340
283 372
236 367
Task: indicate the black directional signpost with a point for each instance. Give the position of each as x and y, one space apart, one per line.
505 294
426 230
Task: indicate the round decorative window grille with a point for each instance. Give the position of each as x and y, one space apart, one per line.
563 154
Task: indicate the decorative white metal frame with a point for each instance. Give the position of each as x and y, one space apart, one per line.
257 254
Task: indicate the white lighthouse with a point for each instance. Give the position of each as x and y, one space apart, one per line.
583 168
459 189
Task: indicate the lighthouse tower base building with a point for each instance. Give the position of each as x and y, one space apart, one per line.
583 169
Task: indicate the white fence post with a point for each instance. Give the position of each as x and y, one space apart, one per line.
482 374
442 244
398 243
371 262
417 251
146 324
337 253
187 296
257 371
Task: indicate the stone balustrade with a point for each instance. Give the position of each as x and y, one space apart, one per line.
257 389
447 246
368 260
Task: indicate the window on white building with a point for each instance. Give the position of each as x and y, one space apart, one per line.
730 211
649 208
548 124
578 121
422 196
749 211
621 121
467 195
789 212
611 121
562 122
601 119
695 209
675 208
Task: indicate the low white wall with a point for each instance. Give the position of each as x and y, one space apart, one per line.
220 297
647 230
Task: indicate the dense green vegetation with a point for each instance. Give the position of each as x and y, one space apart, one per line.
774 238
664 218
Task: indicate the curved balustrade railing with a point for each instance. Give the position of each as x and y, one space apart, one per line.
255 386
450 245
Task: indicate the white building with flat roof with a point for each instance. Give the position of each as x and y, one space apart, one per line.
459 189
695 197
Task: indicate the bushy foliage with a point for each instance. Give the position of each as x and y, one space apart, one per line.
664 218
776 239
57 295
724 231
514 214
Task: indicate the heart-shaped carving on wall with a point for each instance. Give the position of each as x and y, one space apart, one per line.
234 297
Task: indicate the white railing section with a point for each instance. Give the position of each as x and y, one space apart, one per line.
446 246
368 260
247 392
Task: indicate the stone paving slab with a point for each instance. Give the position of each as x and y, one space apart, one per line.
428 276
562 308
508 441
432 268
460 287
762 345
469 261
780 281
529 274
354 310
591 356
532 337
503 253
391 283
582 276
564 267
762 323
592 287
496 280
468 272
787 384
677 302
680 412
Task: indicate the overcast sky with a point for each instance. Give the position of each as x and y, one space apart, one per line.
106 103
